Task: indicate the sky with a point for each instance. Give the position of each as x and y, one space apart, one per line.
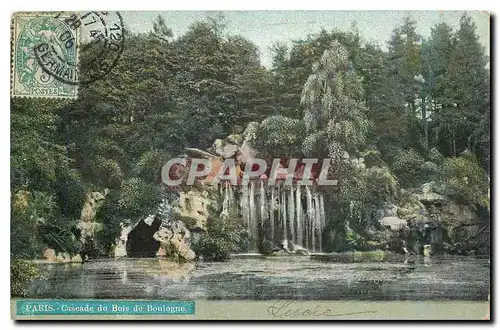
264 28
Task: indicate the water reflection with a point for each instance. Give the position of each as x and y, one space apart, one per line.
271 278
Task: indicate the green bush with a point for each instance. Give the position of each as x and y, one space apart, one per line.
430 171
407 167
435 156
150 164
138 197
279 136
21 275
465 180
108 172
71 193
381 184
222 238
362 190
59 235
30 210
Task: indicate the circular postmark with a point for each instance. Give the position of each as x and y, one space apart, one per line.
81 48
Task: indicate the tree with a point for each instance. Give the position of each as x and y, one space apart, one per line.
47 191
334 115
161 30
279 136
436 55
291 66
465 99
404 65
405 59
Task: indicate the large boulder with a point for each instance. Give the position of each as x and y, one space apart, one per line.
463 229
155 235
174 241
224 148
396 229
120 248
410 207
246 152
286 247
192 208
429 196
93 201
393 223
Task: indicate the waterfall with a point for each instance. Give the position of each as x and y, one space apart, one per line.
298 215
245 208
272 207
278 214
291 216
322 212
317 219
225 202
263 211
304 228
253 211
310 217
283 212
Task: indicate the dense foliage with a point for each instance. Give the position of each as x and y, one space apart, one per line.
414 113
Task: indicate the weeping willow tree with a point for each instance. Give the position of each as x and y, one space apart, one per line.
334 113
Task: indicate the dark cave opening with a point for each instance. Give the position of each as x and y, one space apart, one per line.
140 242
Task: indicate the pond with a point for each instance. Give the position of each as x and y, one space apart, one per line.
258 278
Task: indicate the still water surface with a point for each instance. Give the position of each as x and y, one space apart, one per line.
298 278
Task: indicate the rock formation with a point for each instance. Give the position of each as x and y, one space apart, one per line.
192 208
426 217
174 241
86 223
166 233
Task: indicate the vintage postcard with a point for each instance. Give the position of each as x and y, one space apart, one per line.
250 165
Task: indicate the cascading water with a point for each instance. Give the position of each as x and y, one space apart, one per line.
283 214
298 211
310 218
317 219
225 202
253 211
279 213
245 206
322 213
271 212
291 215
263 211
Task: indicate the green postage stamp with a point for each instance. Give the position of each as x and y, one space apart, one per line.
46 48
250 165
35 38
